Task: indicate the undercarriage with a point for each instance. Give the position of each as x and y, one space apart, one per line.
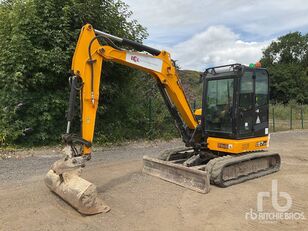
197 171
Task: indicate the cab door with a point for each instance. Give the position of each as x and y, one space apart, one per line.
253 104
261 102
246 107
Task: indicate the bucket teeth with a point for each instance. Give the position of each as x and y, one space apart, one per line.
78 192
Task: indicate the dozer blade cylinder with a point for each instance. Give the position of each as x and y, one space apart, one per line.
187 177
78 192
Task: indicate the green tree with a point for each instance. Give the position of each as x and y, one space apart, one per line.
37 41
287 62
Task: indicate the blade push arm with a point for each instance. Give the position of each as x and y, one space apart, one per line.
87 65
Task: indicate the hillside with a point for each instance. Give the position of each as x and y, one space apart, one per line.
192 86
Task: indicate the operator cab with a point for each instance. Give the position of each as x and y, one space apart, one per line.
235 102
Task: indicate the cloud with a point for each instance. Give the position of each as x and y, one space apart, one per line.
170 21
217 45
188 29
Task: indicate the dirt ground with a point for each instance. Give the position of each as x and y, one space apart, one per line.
142 202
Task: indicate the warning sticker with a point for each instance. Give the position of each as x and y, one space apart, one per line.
145 61
258 120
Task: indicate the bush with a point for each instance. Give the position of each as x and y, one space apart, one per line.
37 41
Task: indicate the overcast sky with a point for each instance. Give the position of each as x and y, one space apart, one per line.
203 33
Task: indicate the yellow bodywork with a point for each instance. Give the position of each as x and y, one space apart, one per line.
238 146
198 113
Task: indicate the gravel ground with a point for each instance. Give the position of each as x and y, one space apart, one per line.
18 166
141 202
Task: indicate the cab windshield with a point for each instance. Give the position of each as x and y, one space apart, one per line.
219 102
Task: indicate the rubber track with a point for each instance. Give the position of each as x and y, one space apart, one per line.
216 166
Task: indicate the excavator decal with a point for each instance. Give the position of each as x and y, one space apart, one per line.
145 61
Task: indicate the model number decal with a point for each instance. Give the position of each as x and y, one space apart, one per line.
261 143
224 146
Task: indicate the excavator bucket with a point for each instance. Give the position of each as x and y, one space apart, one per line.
188 177
78 192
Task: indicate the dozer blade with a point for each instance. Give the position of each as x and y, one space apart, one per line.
187 177
78 192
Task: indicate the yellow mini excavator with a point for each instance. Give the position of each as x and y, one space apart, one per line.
225 145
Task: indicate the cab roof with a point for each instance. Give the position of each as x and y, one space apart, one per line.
227 70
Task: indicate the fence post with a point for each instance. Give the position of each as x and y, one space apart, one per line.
291 118
273 119
150 115
302 117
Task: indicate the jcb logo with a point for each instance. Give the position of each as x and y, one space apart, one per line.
135 59
275 194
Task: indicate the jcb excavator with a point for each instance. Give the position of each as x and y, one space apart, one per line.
224 146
